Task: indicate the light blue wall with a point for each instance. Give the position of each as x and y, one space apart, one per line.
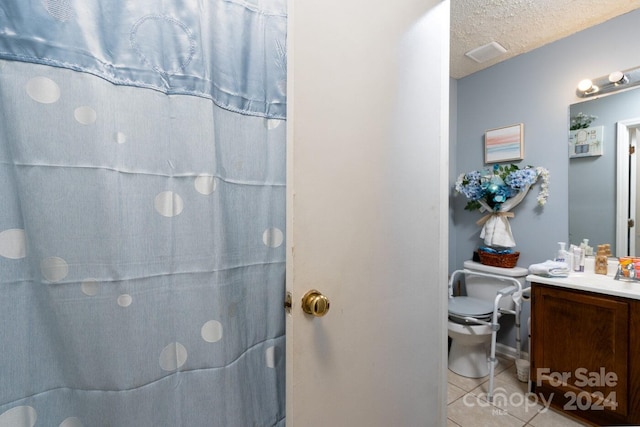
535 89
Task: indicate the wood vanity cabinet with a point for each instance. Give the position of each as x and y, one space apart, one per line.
586 354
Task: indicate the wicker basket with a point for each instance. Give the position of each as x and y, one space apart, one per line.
499 260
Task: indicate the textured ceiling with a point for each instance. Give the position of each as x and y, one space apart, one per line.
521 25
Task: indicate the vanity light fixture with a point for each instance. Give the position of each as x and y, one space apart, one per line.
617 80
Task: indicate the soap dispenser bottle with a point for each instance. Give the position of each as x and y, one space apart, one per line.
563 255
560 256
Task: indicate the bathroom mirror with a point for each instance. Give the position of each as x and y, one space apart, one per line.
603 182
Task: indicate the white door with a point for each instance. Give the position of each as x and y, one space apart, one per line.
633 190
367 211
627 237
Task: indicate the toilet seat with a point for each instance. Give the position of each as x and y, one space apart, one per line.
469 339
463 306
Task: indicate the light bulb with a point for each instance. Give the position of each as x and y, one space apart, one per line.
585 85
618 78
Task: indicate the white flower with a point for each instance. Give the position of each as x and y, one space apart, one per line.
458 186
543 195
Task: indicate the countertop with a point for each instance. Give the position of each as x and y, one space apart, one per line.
591 282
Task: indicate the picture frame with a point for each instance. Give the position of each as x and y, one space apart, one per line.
504 144
586 142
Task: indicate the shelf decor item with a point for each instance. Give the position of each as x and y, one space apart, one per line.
497 190
586 142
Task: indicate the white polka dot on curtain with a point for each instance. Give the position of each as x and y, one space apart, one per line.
168 204
85 115
124 300
120 137
19 416
211 331
90 287
71 422
43 90
54 269
173 356
273 237
205 184
13 243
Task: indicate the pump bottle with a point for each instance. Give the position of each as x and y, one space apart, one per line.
563 255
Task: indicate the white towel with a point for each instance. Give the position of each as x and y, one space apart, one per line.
550 269
496 230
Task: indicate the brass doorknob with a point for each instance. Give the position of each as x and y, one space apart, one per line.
315 304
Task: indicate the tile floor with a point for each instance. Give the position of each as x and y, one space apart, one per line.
467 404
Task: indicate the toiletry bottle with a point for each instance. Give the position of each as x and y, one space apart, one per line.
563 255
601 265
577 256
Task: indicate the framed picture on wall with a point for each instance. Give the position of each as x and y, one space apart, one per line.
504 144
586 142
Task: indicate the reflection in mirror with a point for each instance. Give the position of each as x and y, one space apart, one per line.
627 233
602 174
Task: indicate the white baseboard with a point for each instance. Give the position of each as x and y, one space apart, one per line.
510 352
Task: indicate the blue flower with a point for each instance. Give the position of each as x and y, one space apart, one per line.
520 178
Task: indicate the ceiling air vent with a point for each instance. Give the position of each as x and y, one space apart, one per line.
488 51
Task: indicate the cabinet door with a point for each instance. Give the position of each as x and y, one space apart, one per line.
580 347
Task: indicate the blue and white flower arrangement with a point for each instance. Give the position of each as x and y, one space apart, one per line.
497 190
489 189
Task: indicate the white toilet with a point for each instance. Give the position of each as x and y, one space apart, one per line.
468 355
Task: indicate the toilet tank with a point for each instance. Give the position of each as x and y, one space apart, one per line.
486 287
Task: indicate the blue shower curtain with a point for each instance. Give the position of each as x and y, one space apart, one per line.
142 200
